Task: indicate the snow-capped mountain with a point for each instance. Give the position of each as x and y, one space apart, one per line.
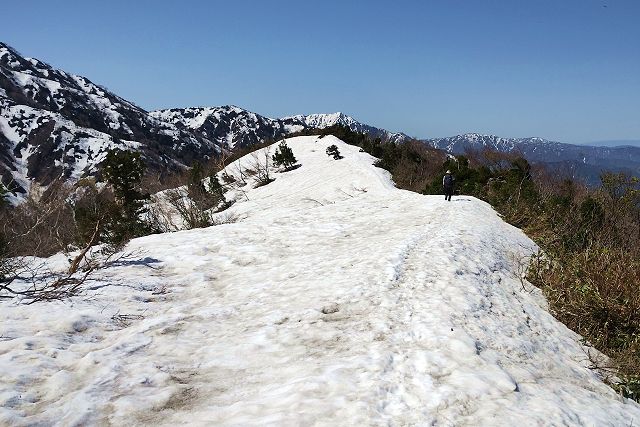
227 126
321 121
317 307
232 127
473 141
55 124
581 161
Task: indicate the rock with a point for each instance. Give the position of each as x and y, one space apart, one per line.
331 308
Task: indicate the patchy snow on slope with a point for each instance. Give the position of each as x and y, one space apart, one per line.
85 148
195 118
322 121
336 299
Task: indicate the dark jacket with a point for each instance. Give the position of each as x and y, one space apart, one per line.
447 181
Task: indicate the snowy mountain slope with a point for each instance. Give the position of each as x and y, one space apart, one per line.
335 300
53 124
232 127
322 121
460 143
580 161
41 145
228 126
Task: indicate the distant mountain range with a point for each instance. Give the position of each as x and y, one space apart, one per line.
56 124
579 161
615 143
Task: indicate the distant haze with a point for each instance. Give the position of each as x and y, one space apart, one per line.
615 143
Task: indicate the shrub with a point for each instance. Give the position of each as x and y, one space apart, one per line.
91 209
193 215
261 168
196 206
333 151
42 224
200 194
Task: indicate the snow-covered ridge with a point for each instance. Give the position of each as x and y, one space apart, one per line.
322 121
227 126
335 299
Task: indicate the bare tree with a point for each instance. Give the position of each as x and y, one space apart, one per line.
261 165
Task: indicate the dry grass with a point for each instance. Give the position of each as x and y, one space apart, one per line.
591 270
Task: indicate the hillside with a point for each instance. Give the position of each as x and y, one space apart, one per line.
233 127
56 124
335 299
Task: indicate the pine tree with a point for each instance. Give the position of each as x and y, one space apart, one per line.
332 150
284 156
215 188
3 195
123 170
195 187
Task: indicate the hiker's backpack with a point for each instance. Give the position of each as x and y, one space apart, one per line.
448 181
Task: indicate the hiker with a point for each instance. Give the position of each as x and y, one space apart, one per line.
447 182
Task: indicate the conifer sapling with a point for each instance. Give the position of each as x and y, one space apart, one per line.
333 151
284 156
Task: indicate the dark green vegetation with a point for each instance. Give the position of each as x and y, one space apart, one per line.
123 170
284 156
333 151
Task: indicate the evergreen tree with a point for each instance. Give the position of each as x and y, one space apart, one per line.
195 187
332 150
215 188
123 170
284 156
3 195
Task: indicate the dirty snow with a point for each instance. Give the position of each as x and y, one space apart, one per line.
335 299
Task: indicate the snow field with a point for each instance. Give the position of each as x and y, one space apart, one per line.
335 300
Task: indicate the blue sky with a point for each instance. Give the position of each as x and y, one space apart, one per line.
567 70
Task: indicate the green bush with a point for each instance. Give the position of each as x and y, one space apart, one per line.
333 151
